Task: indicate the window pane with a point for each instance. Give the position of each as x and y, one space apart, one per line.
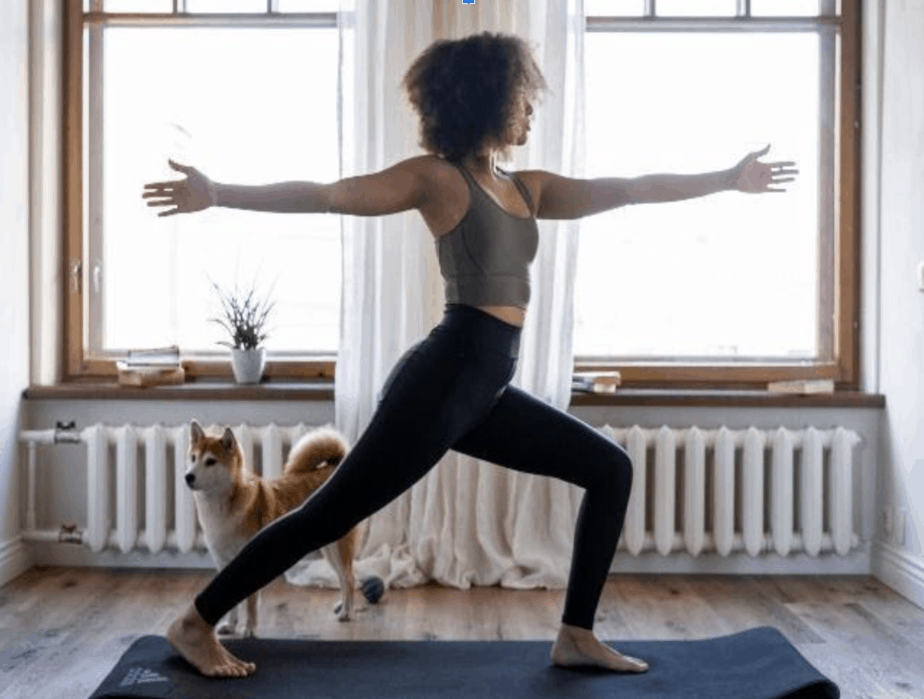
785 8
614 8
138 6
215 6
696 8
723 276
265 114
309 5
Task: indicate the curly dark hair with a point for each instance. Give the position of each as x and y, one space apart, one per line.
466 92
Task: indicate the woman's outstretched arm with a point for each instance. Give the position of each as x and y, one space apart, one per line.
570 198
398 188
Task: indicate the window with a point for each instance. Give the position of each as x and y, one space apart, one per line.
244 98
730 289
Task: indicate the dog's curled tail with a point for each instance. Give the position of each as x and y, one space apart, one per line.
323 446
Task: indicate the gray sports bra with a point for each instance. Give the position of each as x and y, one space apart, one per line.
485 259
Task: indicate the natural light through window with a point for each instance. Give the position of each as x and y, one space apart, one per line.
730 277
727 276
248 106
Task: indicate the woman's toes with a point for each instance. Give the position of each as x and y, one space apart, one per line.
233 670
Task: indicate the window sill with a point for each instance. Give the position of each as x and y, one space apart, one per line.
324 391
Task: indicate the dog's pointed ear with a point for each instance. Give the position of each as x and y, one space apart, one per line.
227 439
195 432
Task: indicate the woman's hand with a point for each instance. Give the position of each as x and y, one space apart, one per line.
754 177
195 193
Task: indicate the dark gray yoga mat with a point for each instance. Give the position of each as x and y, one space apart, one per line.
755 664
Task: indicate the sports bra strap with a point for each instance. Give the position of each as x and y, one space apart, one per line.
516 180
523 190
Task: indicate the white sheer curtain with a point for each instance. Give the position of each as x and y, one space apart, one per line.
468 521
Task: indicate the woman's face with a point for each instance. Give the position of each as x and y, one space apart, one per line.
520 123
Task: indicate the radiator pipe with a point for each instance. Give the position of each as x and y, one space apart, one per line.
71 534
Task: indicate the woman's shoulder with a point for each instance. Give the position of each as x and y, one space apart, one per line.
439 173
437 166
432 168
427 161
432 164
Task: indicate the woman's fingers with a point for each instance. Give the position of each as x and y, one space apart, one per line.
163 202
159 197
154 185
173 184
787 168
193 193
162 193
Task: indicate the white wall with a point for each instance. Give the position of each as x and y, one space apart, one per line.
901 304
14 269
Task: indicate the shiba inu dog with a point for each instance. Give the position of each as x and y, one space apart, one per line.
234 503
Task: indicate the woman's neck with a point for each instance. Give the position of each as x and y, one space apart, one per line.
485 164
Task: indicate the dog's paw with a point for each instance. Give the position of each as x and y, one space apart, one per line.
249 633
343 614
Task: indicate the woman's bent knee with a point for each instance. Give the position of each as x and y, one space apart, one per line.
620 471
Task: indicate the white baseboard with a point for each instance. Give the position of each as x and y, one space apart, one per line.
79 556
15 559
855 563
899 570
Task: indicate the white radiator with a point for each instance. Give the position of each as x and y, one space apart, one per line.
169 522
749 531
765 519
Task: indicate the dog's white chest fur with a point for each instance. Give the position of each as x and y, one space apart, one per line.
221 529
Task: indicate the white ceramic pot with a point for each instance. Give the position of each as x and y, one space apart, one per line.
248 364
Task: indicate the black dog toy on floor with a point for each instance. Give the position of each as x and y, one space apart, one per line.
373 588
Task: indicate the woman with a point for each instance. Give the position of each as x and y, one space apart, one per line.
451 390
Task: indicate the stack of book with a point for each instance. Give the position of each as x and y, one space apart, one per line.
804 386
596 382
151 367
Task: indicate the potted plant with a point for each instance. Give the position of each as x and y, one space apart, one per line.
244 320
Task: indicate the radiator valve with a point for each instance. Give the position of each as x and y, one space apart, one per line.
70 535
66 432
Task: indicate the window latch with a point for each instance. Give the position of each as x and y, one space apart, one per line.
75 275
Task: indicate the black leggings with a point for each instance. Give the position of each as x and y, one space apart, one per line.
450 391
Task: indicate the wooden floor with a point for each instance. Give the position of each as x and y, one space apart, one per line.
63 629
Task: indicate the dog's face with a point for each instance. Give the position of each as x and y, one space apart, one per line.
213 463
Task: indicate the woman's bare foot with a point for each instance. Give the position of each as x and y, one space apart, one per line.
578 647
196 641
